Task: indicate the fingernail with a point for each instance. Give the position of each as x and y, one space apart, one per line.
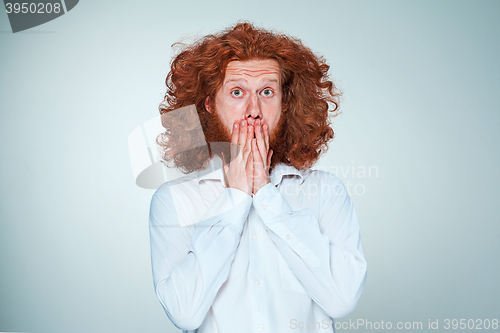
242 123
249 128
235 126
260 128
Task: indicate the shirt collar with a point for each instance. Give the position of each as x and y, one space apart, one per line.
214 171
282 170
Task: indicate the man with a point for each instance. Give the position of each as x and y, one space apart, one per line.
261 243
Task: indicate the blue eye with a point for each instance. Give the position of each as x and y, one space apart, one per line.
267 92
236 93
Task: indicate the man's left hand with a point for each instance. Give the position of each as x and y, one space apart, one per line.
261 156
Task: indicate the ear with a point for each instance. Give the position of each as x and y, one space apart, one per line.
208 102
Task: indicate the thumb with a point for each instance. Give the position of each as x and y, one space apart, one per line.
225 168
269 155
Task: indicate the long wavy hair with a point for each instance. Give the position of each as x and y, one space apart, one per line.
309 96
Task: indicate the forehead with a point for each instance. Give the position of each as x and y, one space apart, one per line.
253 69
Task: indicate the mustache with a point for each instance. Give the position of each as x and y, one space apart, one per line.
216 131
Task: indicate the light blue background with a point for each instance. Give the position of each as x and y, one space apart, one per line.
421 103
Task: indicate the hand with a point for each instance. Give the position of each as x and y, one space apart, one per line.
239 172
261 156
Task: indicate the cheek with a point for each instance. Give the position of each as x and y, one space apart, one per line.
228 120
274 114
233 109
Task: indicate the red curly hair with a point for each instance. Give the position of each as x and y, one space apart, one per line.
198 71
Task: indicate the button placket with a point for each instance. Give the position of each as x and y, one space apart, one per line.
257 277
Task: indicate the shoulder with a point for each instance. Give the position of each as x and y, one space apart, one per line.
328 184
178 189
177 203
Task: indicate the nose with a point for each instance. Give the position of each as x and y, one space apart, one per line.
253 111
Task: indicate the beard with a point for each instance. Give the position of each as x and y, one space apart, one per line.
219 138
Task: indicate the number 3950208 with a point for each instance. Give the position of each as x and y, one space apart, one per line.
33 8
477 324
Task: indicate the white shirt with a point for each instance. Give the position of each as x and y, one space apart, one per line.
290 258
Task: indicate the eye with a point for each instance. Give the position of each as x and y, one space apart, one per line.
236 92
267 92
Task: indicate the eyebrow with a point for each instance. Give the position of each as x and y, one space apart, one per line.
243 79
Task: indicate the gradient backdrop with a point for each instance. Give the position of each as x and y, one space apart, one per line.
420 107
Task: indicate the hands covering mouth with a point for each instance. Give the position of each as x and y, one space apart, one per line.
248 169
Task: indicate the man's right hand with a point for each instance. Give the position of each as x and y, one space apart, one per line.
239 172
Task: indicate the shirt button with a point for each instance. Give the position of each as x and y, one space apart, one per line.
261 327
257 282
255 236
287 236
263 207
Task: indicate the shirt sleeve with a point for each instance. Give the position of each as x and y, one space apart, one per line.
323 251
191 262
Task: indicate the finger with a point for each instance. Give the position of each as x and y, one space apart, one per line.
265 129
236 133
259 167
261 144
242 139
248 143
234 140
225 167
269 156
250 172
257 157
249 166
